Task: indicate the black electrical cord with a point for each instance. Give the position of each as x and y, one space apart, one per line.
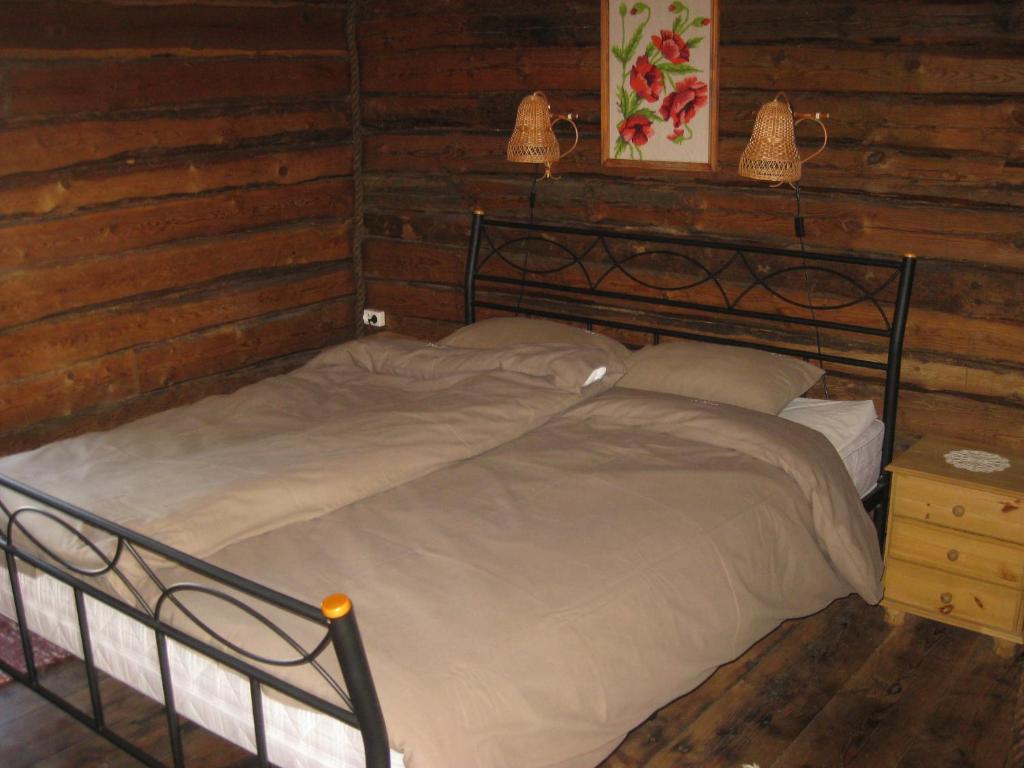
800 231
526 255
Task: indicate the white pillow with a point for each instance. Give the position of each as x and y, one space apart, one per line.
841 421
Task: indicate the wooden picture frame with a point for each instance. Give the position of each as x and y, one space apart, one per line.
659 84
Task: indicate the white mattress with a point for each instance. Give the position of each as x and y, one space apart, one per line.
863 457
204 691
853 429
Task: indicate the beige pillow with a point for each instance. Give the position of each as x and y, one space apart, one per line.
749 378
498 332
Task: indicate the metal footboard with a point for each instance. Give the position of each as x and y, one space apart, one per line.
121 569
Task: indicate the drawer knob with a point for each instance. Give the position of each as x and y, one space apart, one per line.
953 555
958 510
947 603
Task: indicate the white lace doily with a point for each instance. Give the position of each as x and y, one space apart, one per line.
977 461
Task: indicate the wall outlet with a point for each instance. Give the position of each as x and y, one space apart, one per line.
374 318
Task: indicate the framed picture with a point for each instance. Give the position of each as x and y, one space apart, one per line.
659 84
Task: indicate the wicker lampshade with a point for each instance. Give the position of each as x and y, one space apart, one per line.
533 139
771 154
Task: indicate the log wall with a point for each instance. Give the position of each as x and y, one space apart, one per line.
175 202
926 155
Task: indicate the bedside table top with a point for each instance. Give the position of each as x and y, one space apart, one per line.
927 458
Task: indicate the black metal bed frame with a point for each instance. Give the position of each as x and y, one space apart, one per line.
594 255
122 552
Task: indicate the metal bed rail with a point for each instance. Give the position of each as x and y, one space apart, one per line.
114 547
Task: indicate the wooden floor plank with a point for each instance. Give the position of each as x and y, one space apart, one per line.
970 724
840 688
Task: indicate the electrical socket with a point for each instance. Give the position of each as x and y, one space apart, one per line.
374 318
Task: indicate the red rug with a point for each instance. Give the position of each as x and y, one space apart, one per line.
46 654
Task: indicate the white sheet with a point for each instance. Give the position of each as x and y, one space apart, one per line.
853 429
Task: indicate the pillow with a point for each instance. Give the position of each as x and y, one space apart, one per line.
507 331
749 378
841 421
570 367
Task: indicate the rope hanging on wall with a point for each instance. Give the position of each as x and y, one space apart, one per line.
356 112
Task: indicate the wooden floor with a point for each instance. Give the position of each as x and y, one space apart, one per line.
840 689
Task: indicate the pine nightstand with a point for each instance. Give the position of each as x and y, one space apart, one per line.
955 545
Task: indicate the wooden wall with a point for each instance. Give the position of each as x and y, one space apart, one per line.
175 197
926 155
175 188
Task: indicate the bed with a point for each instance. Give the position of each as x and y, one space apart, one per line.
473 521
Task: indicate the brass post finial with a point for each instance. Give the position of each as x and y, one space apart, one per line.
336 606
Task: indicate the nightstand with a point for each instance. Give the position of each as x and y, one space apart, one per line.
955 546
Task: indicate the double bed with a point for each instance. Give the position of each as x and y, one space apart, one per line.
526 598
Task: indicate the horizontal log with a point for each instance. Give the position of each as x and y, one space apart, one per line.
979 125
443 23
52 146
47 29
55 394
795 21
102 418
810 67
872 70
91 234
483 69
438 227
408 261
225 348
92 89
63 341
67 192
976 178
529 23
419 328
996 383
989 236
30 294
976 422
419 301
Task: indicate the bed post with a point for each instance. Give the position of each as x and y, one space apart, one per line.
348 645
892 379
469 287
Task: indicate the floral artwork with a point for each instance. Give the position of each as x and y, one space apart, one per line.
659 90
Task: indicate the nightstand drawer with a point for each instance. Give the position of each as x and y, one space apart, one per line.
968 509
957 552
946 595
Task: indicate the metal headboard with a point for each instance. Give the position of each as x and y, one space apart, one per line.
592 275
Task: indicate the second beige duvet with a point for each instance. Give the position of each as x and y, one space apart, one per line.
528 607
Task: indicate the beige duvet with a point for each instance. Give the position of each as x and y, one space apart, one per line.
528 607
357 419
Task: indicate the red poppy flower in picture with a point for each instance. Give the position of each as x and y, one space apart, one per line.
659 87
646 80
672 46
636 129
681 106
